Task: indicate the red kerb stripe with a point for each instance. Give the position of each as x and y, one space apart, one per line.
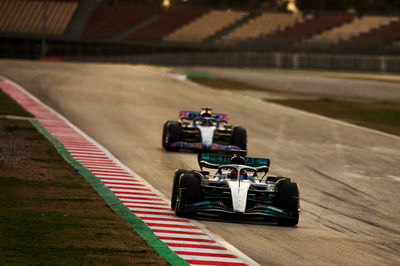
186 239
136 188
164 219
155 213
204 254
179 232
173 225
146 207
140 198
215 263
194 246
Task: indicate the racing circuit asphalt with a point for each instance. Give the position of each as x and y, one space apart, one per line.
355 86
349 177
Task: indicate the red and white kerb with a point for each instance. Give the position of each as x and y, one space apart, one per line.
183 236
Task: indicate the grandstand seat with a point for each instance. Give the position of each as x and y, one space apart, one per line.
205 26
24 16
266 23
383 35
351 30
311 27
168 22
108 20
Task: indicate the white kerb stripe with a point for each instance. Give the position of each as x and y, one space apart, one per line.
168 222
183 236
133 186
190 243
216 251
205 258
145 194
122 179
150 210
189 230
132 190
138 205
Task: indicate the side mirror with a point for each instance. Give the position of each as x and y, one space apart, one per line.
205 173
202 164
264 169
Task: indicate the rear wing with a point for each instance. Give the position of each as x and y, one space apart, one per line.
194 114
215 160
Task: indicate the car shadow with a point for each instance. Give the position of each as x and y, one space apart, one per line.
266 221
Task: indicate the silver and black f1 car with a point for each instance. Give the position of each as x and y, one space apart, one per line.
239 187
203 131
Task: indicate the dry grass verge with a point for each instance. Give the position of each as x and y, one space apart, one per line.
382 116
49 214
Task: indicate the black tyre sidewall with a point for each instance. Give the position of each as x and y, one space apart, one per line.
239 137
175 184
288 200
190 186
172 132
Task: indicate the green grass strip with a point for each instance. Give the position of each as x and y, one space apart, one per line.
380 116
137 225
196 75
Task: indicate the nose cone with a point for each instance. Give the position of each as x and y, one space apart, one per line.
239 191
207 135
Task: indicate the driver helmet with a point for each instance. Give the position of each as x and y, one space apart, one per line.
233 174
243 174
206 112
205 122
237 159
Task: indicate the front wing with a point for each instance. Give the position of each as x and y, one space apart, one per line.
267 211
200 146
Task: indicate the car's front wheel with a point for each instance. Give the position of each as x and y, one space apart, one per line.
175 185
288 199
189 191
172 132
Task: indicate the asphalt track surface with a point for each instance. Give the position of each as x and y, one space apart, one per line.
349 177
355 86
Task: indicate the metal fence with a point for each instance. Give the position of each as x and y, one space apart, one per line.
380 64
162 54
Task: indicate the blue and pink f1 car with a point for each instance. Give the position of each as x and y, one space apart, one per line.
204 131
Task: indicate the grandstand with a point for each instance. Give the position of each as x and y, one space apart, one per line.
351 30
384 34
312 27
27 16
111 27
264 24
205 26
166 23
107 21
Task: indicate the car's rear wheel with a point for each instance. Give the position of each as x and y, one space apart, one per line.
288 200
276 178
189 191
239 137
172 132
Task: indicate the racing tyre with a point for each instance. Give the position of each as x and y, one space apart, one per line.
175 184
239 137
189 192
288 199
172 132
